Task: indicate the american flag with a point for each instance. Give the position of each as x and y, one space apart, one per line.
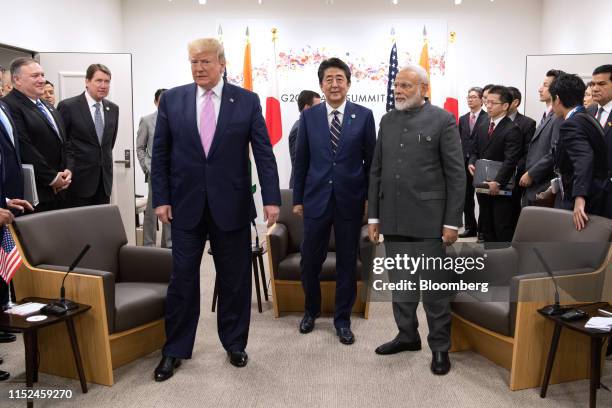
392 75
10 259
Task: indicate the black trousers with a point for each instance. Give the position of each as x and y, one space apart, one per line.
314 251
232 258
468 208
496 218
99 197
436 304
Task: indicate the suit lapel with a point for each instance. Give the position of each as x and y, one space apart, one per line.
226 110
15 141
500 126
189 104
347 119
34 108
86 113
541 128
479 120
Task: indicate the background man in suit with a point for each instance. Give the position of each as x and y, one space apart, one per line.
144 150
539 165
527 127
416 195
334 151
580 154
468 123
41 133
498 140
91 123
306 99
202 186
602 96
49 93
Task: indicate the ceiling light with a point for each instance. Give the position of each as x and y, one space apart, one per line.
457 2
202 2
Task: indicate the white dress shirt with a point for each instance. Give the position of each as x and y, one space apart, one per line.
91 102
330 115
606 113
216 99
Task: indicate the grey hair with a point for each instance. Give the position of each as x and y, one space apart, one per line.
417 69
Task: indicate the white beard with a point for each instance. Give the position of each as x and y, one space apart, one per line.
410 103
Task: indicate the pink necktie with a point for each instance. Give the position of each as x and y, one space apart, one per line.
472 121
207 122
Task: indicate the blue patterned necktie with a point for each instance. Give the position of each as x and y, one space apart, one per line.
335 130
47 116
98 123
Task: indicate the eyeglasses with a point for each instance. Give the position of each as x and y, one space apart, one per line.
473 97
489 102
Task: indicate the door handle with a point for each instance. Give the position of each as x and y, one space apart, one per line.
128 159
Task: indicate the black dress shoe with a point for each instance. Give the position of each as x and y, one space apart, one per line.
4 375
395 346
7 337
307 324
467 233
165 368
480 239
345 335
238 358
440 364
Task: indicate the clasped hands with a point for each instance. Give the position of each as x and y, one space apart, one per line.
62 181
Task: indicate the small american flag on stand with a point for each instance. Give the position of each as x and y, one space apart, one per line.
10 258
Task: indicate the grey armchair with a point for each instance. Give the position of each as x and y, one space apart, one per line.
125 286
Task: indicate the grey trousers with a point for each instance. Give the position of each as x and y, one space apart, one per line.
436 304
149 226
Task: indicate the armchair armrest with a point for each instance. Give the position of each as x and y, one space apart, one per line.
278 241
144 264
108 283
575 286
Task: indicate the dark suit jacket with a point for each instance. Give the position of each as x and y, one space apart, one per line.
318 173
85 157
183 177
581 157
292 148
539 162
527 127
607 135
12 182
467 137
40 145
504 145
417 181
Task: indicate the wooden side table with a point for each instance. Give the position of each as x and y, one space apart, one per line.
597 339
19 324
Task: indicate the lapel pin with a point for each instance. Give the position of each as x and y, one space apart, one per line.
231 100
353 116
428 138
610 124
107 108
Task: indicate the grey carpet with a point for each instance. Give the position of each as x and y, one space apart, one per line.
288 369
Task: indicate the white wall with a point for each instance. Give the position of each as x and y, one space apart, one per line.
570 27
493 37
62 25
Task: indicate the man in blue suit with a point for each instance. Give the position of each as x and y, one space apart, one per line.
336 142
202 187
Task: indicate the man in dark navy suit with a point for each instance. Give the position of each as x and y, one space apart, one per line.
202 187
580 154
336 142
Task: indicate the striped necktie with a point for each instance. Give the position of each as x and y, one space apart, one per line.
600 114
98 122
334 131
47 116
491 128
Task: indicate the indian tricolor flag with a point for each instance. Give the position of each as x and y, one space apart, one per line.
424 60
451 103
273 112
